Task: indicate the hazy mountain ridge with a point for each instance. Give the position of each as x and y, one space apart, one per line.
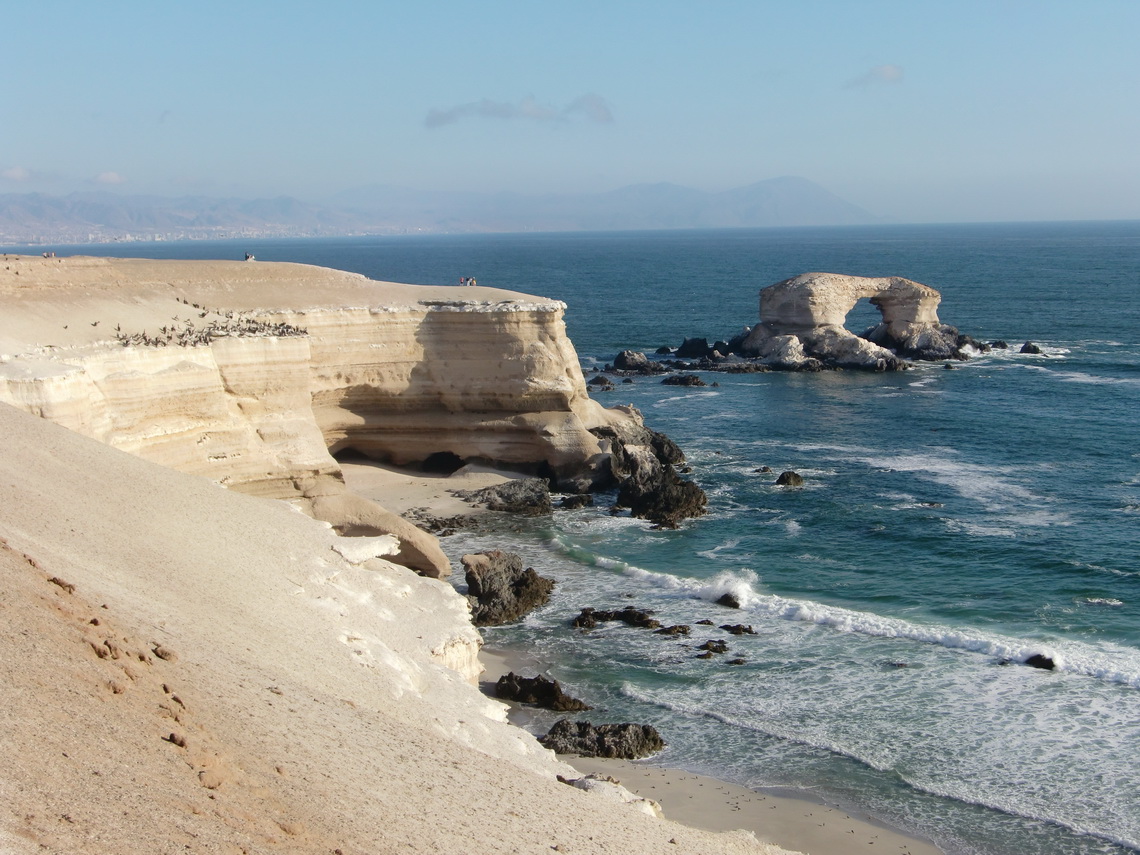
103 216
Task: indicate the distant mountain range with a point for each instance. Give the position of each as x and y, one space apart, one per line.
98 217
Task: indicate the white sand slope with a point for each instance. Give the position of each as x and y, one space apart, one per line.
206 674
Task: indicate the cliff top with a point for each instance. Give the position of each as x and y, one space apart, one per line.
77 301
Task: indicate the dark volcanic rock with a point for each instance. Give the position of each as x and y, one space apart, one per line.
537 690
728 600
715 645
1038 660
529 497
625 741
601 383
578 500
790 479
642 461
1029 347
664 350
999 345
694 348
707 622
664 497
738 629
500 590
677 629
590 618
683 380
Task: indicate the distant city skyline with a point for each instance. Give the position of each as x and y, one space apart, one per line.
916 112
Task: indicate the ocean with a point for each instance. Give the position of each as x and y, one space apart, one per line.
952 523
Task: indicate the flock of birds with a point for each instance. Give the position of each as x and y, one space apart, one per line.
184 333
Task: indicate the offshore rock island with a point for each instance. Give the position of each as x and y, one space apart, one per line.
802 318
233 674
801 328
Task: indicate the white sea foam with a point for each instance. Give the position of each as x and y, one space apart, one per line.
1106 662
711 554
1083 377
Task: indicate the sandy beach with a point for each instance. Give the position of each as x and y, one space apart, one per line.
787 818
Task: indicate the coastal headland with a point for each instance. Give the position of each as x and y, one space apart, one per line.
191 668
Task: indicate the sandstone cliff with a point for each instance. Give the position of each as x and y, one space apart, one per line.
253 374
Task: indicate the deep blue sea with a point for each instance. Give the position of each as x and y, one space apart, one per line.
950 521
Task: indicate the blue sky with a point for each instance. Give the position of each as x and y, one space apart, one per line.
917 110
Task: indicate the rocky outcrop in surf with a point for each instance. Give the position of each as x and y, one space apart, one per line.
642 462
500 590
802 319
802 328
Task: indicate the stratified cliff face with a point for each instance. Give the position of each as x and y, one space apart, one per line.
496 381
250 374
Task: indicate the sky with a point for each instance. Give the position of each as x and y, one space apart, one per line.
916 110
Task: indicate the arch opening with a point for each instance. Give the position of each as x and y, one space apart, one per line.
863 317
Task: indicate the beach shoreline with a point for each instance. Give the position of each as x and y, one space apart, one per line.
792 819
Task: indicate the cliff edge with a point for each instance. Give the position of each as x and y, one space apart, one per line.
256 374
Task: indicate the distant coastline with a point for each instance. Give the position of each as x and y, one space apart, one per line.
103 217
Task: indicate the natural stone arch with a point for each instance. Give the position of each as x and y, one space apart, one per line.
802 323
813 300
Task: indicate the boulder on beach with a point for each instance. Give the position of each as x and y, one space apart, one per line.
529 497
500 590
538 691
626 741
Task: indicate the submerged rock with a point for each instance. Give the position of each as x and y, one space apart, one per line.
715 645
738 629
577 500
500 590
683 380
537 690
626 741
590 618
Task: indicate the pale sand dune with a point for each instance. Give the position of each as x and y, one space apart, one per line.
220 680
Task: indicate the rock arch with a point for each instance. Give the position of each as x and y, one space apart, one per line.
802 319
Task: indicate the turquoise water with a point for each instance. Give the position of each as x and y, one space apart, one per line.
950 521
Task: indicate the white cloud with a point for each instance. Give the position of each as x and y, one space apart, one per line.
593 107
880 74
16 173
110 178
